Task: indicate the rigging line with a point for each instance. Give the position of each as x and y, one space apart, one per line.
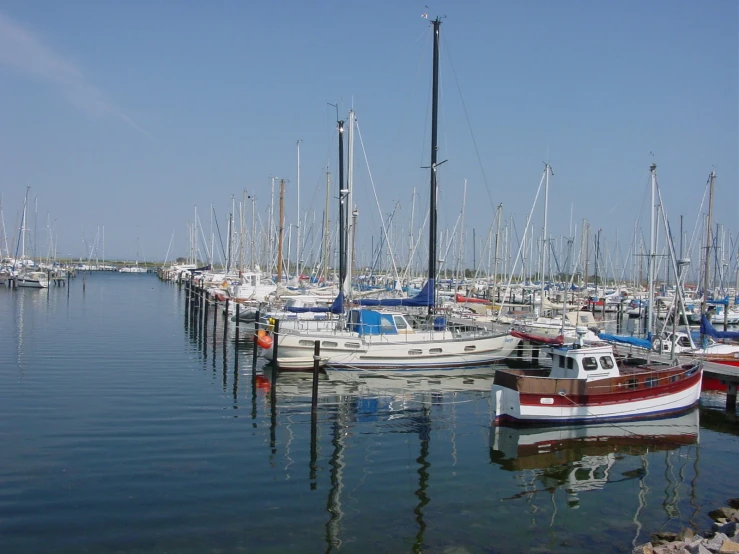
520 247
469 126
377 201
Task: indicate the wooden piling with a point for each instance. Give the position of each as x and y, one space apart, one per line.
254 350
275 350
316 369
731 398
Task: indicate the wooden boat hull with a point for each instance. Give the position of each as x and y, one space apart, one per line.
562 406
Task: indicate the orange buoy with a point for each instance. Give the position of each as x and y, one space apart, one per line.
265 342
262 382
261 333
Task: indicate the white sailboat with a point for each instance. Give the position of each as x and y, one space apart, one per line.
372 339
26 272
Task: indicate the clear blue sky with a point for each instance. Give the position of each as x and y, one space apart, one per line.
128 114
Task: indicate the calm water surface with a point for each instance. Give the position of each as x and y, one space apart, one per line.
126 428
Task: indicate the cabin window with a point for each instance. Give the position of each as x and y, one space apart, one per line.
306 343
589 363
415 352
561 361
329 344
570 363
386 325
434 350
650 382
400 322
674 378
606 362
684 341
470 348
351 345
631 383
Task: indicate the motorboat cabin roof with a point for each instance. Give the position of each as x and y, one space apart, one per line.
589 364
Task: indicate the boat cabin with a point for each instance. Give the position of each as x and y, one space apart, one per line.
588 364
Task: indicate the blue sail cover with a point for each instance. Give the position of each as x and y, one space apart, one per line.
336 308
708 329
423 299
633 341
718 301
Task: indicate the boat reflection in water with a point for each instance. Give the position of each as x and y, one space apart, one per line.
516 448
580 458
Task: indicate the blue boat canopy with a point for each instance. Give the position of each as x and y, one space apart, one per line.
423 299
633 341
369 322
708 329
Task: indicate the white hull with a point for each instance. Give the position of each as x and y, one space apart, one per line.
507 406
351 353
36 280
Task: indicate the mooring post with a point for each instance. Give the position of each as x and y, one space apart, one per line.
225 322
316 369
731 398
275 350
238 310
204 319
255 339
215 317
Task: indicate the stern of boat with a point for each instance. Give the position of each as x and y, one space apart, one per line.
506 404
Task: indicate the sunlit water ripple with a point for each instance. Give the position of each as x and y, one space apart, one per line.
125 428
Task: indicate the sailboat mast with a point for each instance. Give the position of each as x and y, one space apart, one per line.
709 239
547 171
297 248
434 149
325 228
281 227
652 248
349 231
342 213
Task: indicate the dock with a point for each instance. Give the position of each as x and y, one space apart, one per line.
725 373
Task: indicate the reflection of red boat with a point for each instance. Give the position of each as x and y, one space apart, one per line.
540 339
469 299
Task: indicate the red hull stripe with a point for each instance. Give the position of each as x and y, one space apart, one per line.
612 397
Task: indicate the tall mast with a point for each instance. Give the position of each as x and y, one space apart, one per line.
497 240
349 231
342 212
297 248
434 149
709 240
547 171
23 225
652 248
281 227
325 228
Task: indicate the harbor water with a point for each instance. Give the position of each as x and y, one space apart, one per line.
129 426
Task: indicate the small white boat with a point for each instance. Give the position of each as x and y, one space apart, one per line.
33 280
588 384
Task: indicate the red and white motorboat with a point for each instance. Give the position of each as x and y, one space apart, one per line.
588 383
